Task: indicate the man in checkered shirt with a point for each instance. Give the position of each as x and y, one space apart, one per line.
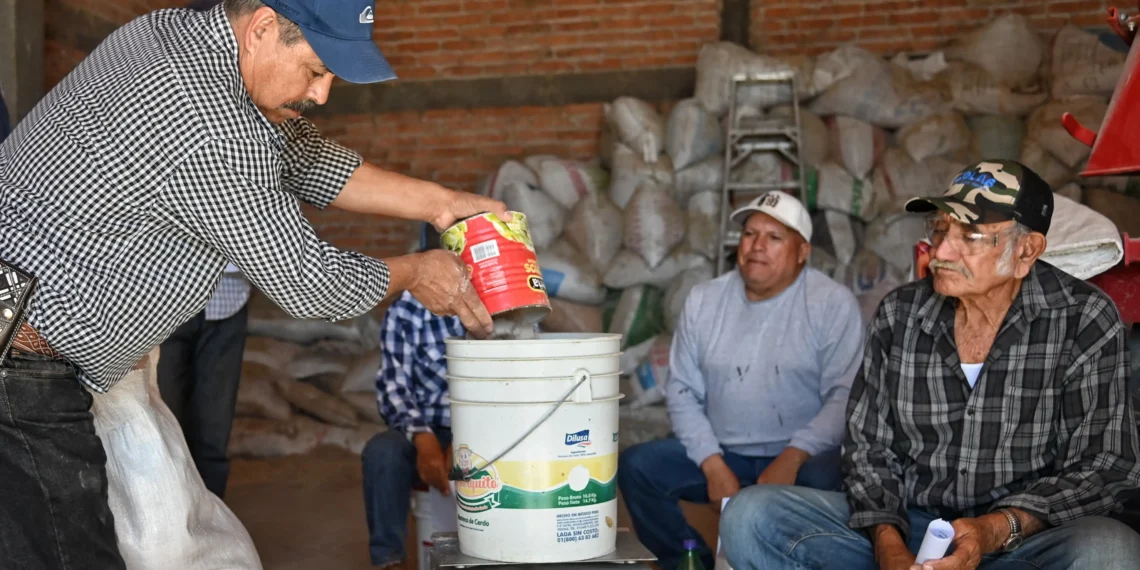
992 395
175 147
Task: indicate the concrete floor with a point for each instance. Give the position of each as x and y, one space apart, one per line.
306 512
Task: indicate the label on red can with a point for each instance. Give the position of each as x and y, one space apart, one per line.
502 262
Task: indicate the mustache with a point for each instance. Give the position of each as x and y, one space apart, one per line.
951 266
303 106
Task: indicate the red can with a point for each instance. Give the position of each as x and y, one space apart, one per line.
502 263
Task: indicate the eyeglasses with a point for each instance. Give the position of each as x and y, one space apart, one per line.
962 240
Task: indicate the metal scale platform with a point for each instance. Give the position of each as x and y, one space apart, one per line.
445 554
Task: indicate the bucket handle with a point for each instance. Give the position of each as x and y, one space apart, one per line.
583 378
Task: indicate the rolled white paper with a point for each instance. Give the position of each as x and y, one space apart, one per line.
937 540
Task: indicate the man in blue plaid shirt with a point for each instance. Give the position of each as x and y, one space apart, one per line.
411 389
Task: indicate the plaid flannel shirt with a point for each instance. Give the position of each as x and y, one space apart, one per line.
1048 428
411 384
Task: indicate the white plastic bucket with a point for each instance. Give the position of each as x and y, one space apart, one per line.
434 513
553 497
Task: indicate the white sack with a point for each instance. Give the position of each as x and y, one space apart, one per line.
259 397
893 237
703 231
997 137
653 373
568 180
832 187
1045 128
654 224
630 172
1081 241
1008 48
164 515
508 173
879 93
595 229
1082 65
693 135
815 137
706 176
922 68
900 176
632 356
630 270
567 274
718 62
638 315
678 291
855 145
637 125
544 216
973 91
934 136
1071 191
1047 166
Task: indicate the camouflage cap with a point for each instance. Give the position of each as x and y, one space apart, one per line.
994 191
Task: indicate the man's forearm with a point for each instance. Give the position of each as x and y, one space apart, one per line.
373 190
998 528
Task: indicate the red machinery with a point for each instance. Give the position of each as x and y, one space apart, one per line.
1116 151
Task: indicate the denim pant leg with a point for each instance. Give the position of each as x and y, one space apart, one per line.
389 469
654 477
53 478
1096 543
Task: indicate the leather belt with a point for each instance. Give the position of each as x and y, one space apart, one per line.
28 340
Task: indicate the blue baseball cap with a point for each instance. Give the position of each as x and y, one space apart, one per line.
340 32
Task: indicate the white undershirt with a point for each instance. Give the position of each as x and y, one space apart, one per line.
971 371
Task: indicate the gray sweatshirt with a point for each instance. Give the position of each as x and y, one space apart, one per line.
755 377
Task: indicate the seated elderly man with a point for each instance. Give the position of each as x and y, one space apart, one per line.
992 395
761 365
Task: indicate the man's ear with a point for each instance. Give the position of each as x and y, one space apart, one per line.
805 251
261 28
1030 249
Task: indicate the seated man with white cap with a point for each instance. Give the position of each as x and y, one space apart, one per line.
761 364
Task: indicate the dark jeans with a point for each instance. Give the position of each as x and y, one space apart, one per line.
389 462
53 477
199 368
655 476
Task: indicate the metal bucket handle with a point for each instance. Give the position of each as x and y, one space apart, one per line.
582 377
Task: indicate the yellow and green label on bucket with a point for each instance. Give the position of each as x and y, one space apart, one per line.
555 484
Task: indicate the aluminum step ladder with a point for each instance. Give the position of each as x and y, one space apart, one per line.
747 136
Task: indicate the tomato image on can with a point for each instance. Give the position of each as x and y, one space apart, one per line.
502 263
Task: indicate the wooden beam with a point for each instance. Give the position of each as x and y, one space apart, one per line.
21 55
735 22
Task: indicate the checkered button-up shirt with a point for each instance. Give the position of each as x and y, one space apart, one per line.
411 384
1048 428
128 188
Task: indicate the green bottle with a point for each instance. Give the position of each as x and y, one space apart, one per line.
691 561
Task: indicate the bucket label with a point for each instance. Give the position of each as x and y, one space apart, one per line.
480 491
557 484
577 527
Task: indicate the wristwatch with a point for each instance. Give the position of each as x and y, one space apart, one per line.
1015 538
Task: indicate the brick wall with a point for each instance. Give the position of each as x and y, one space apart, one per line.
438 40
887 26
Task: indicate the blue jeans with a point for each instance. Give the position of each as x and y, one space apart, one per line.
776 527
389 463
655 476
